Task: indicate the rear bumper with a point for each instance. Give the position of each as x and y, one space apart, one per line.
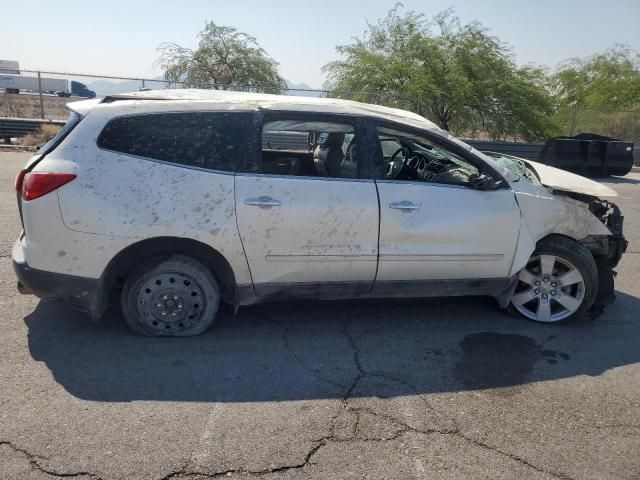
78 292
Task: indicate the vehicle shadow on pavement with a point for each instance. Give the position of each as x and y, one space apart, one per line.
632 181
310 350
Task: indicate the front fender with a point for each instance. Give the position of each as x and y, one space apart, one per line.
543 213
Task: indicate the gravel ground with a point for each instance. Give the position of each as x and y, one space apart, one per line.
27 105
441 388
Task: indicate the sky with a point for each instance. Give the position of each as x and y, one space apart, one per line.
119 37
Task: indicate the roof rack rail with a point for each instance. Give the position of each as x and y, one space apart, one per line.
124 96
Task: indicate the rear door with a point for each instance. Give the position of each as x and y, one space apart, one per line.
303 233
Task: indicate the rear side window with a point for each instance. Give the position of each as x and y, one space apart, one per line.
212 140
72 121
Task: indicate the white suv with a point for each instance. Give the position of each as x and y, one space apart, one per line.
182 199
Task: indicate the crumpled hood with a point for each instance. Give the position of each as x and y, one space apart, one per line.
558 179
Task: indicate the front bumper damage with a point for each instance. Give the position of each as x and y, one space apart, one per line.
607 251
613 246
610 248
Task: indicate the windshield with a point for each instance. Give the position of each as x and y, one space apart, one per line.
516 166
443 155
507 173
72 121
513 164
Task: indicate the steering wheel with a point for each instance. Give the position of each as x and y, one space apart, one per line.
390 166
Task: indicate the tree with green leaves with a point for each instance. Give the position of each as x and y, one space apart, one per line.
459 76
225 59
608 80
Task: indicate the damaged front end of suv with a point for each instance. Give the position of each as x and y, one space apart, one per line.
608 247
607 250
556 203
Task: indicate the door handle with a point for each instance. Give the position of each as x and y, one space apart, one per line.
262 202
404 205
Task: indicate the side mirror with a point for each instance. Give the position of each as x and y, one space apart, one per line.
483 181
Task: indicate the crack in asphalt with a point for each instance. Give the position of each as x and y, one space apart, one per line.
514 457
403 428
188 471
356 360
34 459
184 473
287 345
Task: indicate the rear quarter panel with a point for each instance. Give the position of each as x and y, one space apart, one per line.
116 196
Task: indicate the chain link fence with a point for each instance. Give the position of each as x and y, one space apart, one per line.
40 94
620 124
44 95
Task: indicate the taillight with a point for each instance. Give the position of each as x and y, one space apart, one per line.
37 184
18 182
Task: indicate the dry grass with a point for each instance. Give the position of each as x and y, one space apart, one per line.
28 106
39 137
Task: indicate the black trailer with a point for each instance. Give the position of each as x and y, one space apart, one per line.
588 154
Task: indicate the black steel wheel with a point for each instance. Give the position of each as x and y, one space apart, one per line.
175 297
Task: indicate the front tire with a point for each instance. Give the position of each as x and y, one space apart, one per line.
559 283
175 297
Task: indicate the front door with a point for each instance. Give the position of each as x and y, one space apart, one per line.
433 224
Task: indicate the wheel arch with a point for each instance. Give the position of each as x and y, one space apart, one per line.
121 265
556 235
527 244
565 248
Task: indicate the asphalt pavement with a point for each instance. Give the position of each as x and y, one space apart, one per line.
412 389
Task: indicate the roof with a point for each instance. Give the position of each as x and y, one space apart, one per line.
196 99
255 101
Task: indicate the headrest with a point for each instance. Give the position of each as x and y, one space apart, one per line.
331 139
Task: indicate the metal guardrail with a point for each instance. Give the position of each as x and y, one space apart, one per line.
19 127
530 151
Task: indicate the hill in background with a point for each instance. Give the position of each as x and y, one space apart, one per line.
112 87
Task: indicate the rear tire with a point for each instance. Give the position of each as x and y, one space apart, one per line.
174 297
559 283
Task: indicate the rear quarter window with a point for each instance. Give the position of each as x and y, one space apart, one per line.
212 140
72 121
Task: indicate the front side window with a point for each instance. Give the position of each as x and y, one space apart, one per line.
212 140
308 148
406 156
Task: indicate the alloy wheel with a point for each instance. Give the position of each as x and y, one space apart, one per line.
550 289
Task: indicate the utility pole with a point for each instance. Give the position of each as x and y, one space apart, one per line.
573 120
40 95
